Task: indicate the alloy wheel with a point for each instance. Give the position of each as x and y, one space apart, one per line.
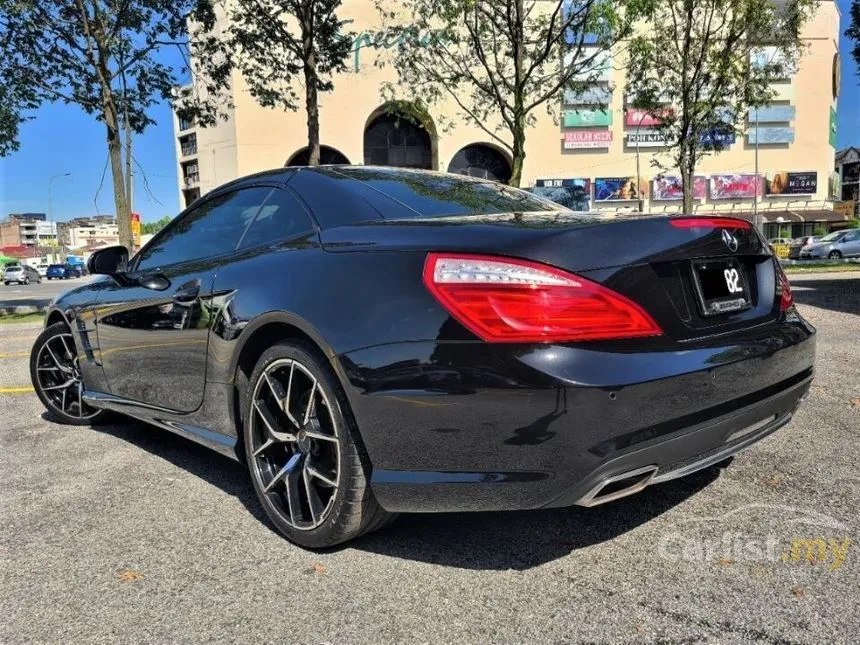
58 376
295 446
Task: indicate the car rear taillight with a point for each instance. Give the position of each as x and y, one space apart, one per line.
504 300
783 288
709 222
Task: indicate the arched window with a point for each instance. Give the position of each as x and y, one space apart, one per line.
480 160
392 140
327 156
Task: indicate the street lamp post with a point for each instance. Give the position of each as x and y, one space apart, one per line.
51 202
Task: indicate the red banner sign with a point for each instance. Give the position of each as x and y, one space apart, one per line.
587 139
638 117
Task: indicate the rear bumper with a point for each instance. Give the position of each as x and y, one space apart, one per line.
470 426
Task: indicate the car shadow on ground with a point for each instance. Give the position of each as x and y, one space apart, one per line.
841 294
480 541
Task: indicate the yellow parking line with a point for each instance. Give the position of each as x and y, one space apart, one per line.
15 355
17 390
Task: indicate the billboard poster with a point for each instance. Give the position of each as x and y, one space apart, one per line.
670 188
587 139
791 183
619 189
586 118
765 135
636 117
574 194
733 186
594 95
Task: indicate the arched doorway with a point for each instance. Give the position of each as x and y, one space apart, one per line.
392 139
481 160
327 156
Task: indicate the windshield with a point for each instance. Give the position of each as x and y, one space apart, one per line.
12 269
832 237
56 266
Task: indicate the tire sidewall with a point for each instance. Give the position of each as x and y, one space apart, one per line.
323 534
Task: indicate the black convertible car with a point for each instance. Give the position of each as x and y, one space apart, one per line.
374 340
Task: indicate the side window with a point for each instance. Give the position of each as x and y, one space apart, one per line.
281 216
213 228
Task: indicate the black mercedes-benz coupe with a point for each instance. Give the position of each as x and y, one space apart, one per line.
375 340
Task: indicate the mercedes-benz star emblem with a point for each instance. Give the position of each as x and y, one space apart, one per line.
730 240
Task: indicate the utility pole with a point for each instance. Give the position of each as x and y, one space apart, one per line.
756 221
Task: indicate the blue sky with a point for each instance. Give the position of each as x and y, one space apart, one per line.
64 139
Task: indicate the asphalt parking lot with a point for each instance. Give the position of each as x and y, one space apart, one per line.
37 295
125 533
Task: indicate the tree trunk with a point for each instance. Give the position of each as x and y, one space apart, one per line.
123 217
686 178
311 83
519 157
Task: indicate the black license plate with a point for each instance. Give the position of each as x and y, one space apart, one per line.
721 286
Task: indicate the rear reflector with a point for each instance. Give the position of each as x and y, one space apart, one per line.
709 222
504 300
783 288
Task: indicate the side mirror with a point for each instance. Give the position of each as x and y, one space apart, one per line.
110 261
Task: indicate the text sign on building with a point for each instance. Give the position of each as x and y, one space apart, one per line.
672 189
765 135
587 139
645 140
733 186
772 114
791 183
596 95
636 117
586 118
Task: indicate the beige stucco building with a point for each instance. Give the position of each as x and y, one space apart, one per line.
586 148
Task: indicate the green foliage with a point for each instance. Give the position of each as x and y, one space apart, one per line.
153 227
853 32
785 231
854 223
693 68
500 60
819 231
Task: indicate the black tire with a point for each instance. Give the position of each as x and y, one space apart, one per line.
26 281
353 510
77 413
834 255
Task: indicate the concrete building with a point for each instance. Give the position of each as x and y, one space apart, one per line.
588 153
27 229
86 232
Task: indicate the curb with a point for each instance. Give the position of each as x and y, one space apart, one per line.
19 310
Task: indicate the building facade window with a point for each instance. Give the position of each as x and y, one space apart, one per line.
392 140
480 160
327 156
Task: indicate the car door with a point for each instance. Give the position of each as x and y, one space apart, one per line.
153 323
851 244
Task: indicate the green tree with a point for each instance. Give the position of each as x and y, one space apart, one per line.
853 32
105 56
276 41
501 61
703 63
148 228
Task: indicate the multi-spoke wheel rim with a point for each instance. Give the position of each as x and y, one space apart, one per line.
295 451
59 376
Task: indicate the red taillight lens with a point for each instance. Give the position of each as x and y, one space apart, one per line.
786 299
505 300
709 222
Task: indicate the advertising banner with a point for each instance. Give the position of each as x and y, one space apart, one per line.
671 189
636 117
716 138
135 229
764 135
587 139
599 67
611 189
595 95
832 137
772 114
834 186
574 194
586 118
733 186
791 183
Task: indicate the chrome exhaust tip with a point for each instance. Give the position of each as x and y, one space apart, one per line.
618 486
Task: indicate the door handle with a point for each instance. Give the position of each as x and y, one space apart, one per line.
187 293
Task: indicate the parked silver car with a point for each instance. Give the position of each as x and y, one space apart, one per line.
839 244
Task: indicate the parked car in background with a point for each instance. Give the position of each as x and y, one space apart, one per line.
775 241
798 244
836 245
62 272
21 274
